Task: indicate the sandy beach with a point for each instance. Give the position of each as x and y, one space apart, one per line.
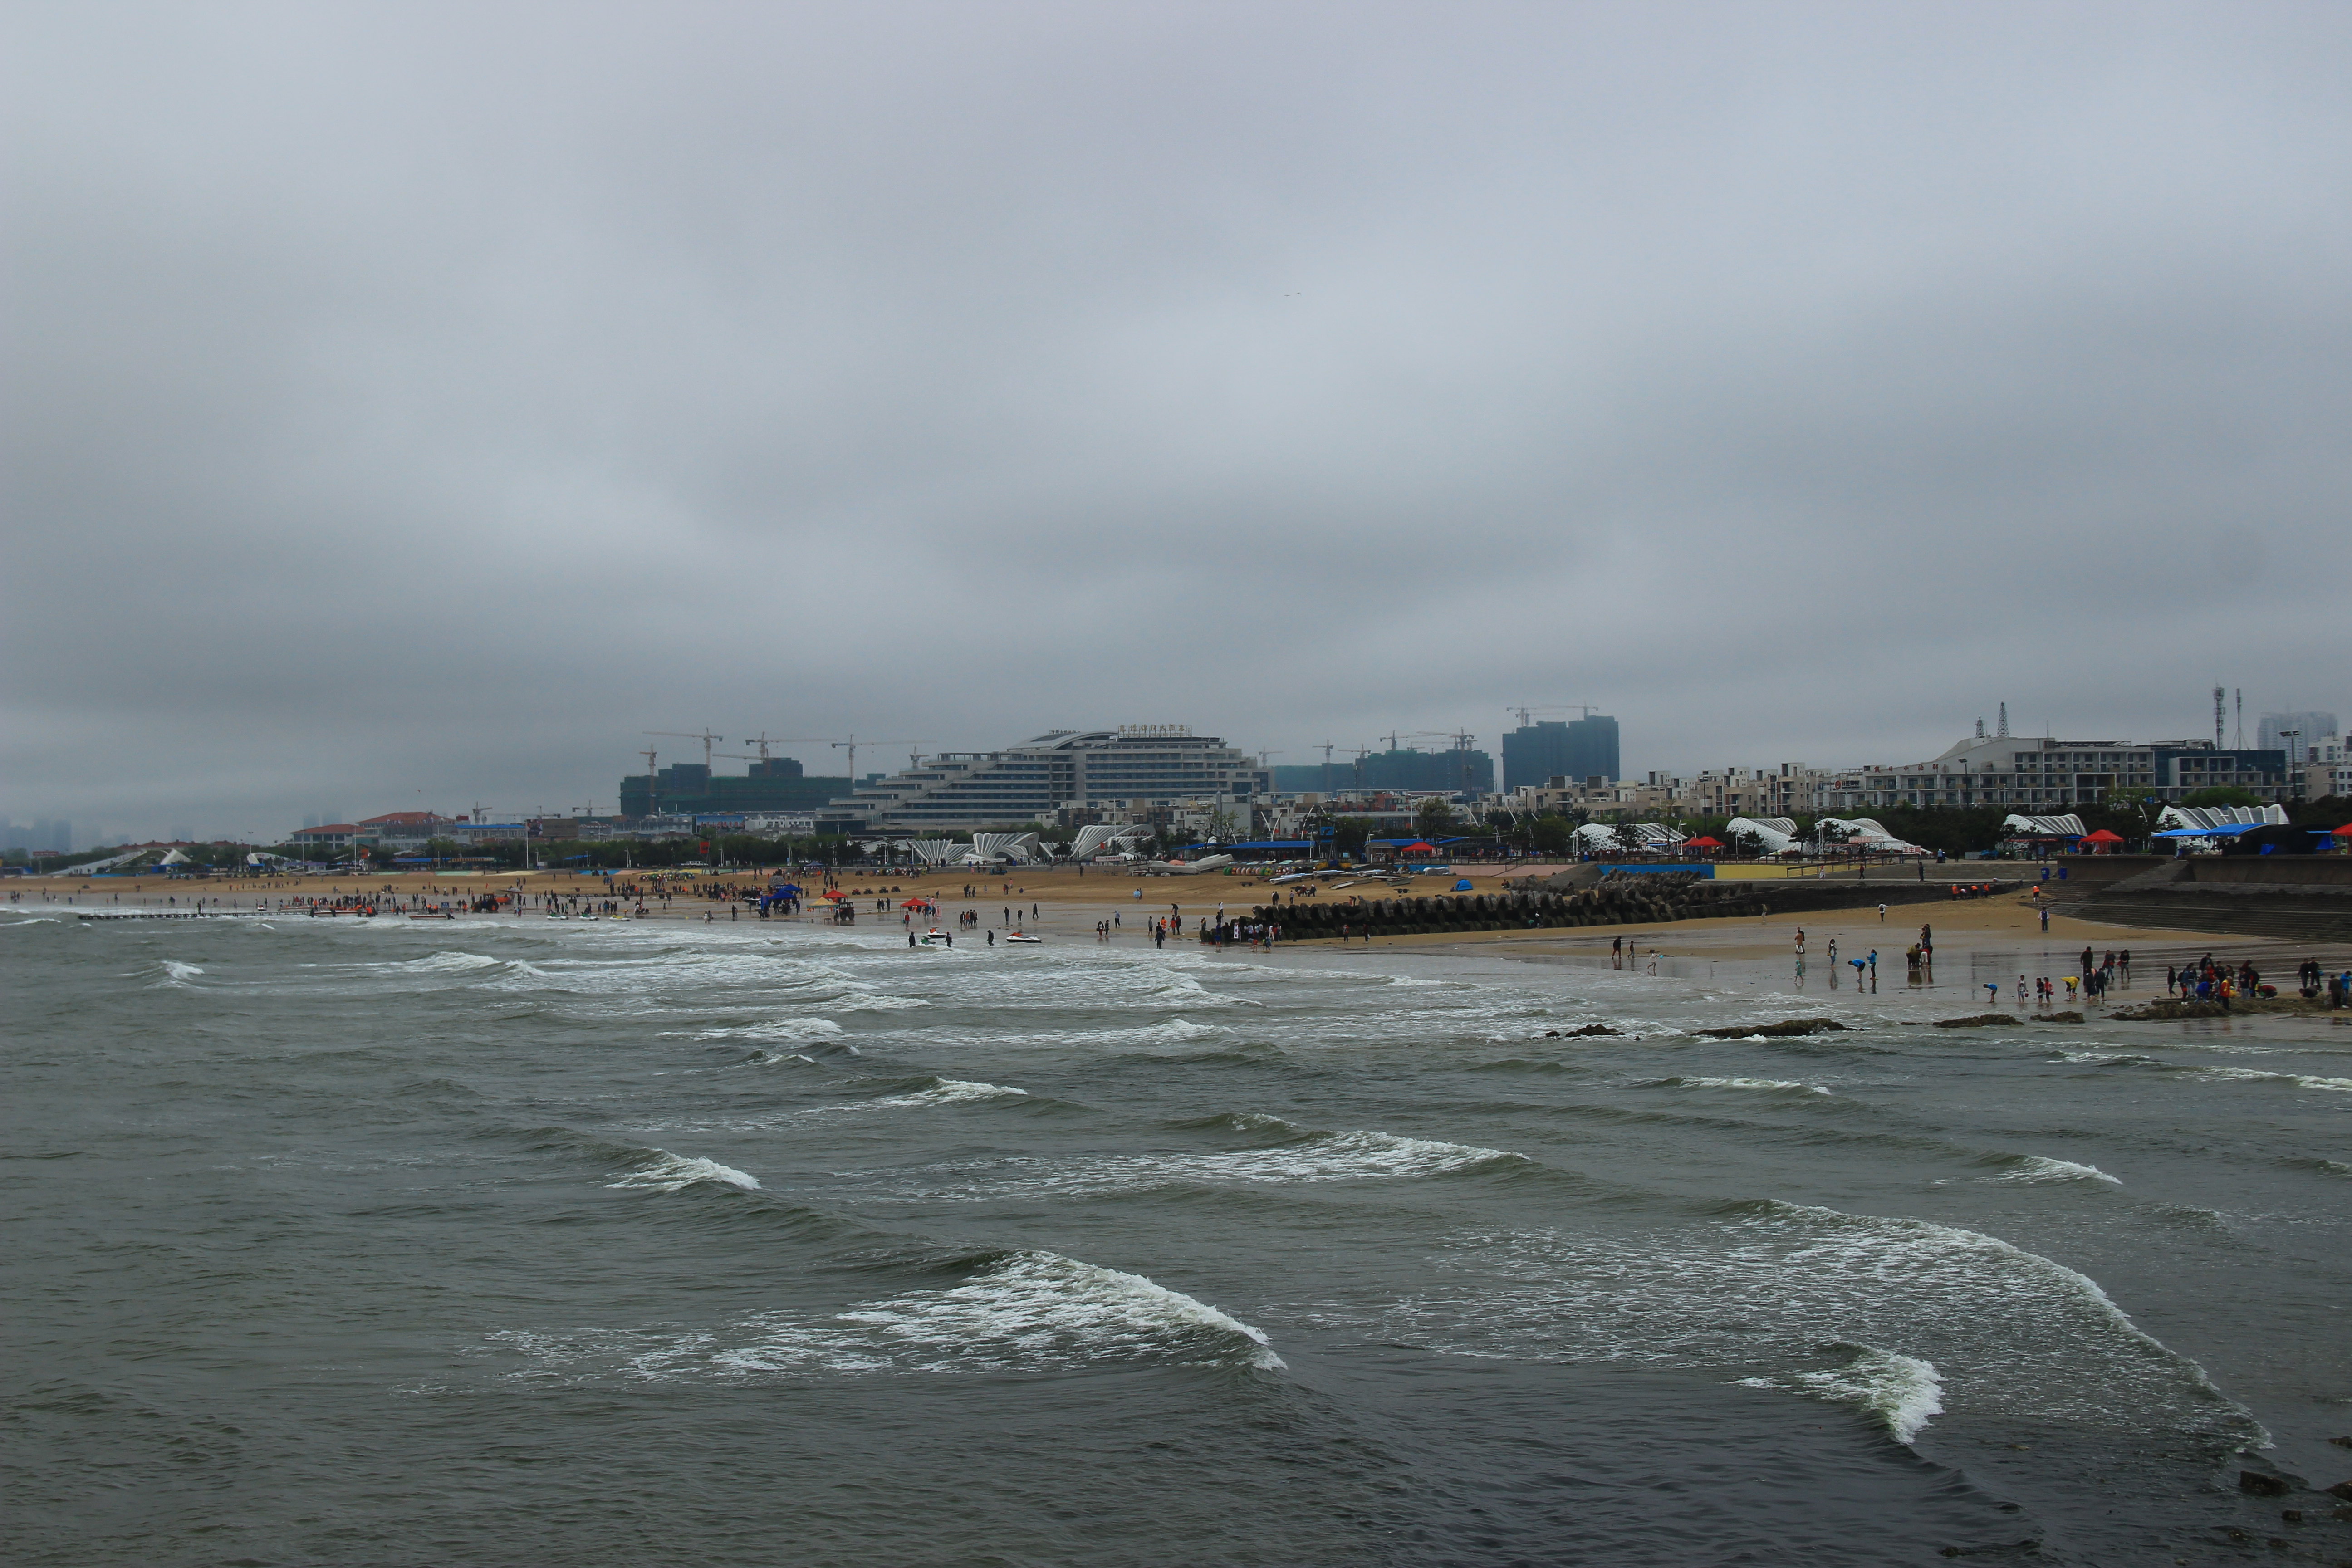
1969 933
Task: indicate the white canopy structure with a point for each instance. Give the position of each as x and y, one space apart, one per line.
1600 837
1186 868
1776 834
2068 825
2221 816
1862 833
931 851
1096 837
175 858
1003 846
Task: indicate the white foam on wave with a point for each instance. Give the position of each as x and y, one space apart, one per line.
1902 1390
2042 1168
1030 1311
855 1003
950 1091
1351 1156
772 1029
1777 1084
1181 989
1034 1311
2012 1333
2303 1080
445 963
668 1172
178 971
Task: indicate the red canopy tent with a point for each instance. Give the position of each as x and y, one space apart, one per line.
1704 844
2342 832
2104 839
1419 846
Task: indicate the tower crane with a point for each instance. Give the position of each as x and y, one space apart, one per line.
705 736
849 742
1523 710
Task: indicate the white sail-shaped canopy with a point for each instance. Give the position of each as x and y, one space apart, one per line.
1863 833
1601 836
1004 846
2064 826
2221 816
1775 833
1096 837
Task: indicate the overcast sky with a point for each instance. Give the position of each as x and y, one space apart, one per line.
408 405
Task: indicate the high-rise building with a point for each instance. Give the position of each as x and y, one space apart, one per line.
774 784
2308 728
1399 771
1131 768
1579 749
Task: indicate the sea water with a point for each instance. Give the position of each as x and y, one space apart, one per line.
523 1242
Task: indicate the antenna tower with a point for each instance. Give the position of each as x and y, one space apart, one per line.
2219 716
2004 718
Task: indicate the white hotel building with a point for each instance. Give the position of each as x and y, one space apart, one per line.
1061 774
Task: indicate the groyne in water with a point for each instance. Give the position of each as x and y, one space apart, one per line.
1616 901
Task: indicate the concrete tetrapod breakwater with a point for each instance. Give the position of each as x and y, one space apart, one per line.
1619 901
2295 897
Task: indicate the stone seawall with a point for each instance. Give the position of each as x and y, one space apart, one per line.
1622 900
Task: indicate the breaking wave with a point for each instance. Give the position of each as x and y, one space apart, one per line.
1902 1391
2010 1332
2040 1168
668 1172
773 1029
2301 1080
1776 1085
1023 1311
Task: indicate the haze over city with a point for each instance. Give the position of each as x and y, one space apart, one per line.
412 407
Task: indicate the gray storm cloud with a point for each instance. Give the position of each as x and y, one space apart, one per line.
412 404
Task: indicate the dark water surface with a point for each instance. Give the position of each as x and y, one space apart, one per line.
544 1242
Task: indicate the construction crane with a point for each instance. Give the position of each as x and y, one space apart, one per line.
853 743
1524 710
705 736
1264 756
653 780
849 742
1462 741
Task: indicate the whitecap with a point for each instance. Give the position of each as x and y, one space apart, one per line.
773 1029
2012 1334
1902 1390
866 1003
1033 1310
946 1091
1349 1156
2040 1168
442 963
179 971
668 1172
2303 1080
1780 1085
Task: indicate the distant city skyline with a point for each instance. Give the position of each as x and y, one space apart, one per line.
390 424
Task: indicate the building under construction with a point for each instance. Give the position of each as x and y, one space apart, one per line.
776 784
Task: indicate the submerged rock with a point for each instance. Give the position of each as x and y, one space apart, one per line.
1982 1021
1786 1027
